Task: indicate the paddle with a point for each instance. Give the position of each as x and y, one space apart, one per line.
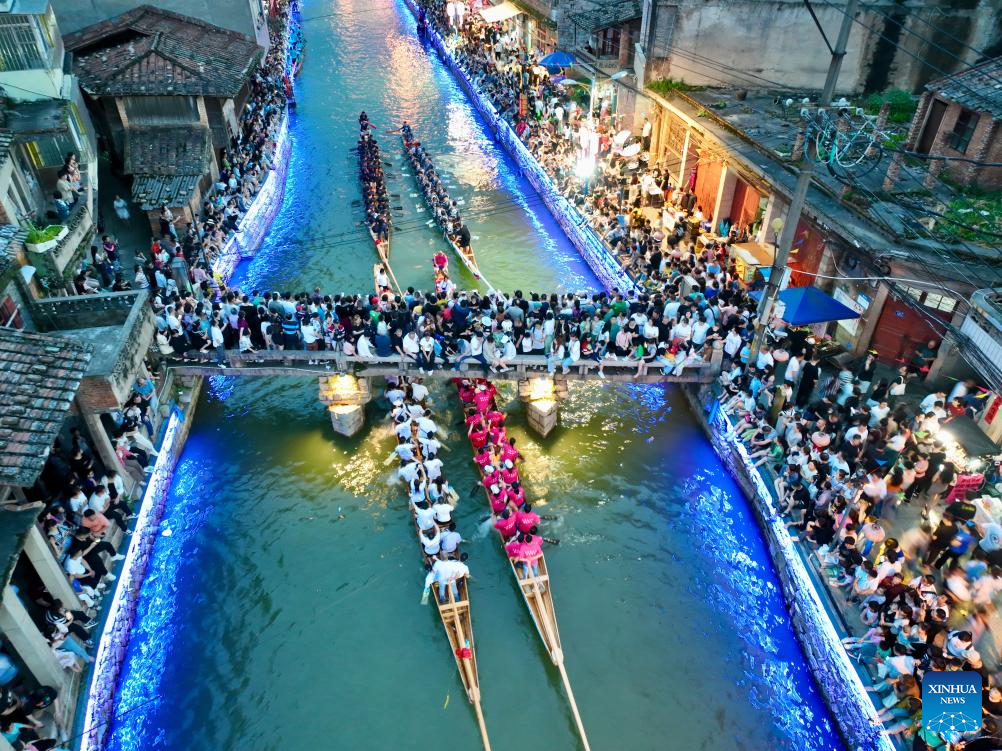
551 540
548 518
424 596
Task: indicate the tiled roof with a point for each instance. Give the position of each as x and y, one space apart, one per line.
168 150
39 376
978 88
6 138
153 191
149 51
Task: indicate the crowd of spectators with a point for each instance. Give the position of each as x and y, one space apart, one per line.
847 452
85 515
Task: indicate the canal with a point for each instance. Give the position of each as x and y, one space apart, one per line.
282 605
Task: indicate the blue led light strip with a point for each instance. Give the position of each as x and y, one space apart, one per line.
833 669
118 625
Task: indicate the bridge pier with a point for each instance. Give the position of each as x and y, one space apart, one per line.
345 397
541 395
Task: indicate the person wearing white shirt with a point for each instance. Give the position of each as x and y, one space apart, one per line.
419 392
572 353
433 468
362 347
424 515
450 539
426 426
732 343
447 573
218 342
793 370
764 359
411 345
430 447
432 543
405 451
410 471
443 512
403 430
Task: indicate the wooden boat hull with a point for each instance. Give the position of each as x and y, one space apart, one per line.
468 260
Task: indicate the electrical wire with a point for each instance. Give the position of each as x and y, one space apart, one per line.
940 30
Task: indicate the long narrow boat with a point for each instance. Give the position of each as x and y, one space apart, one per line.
455 616
538 596
466 257
382 246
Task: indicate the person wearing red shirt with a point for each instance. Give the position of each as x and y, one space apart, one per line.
506 524
482 400
509 452
526 519
514 549
483 457
516 494
530 551
508 473
478 436
498 498
497 435
494 417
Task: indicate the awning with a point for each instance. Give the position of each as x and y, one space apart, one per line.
502 12
804 305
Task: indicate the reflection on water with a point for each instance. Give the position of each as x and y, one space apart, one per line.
283 610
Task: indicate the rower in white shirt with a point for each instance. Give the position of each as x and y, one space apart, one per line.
403 430
433 468
431 543
410 471
447 573
430 446
426 426
450 539
425 516
443 512
419 391
405 451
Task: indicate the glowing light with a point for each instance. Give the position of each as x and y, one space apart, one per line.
585 166
541 389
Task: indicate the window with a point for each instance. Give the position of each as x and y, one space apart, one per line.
20 46
10 314
933 300
963 129
608 42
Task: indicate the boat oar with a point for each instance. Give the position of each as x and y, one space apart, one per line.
549 518
424 595
551 540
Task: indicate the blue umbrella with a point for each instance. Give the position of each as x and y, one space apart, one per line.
558 59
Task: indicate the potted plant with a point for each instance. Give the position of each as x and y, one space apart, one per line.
44 239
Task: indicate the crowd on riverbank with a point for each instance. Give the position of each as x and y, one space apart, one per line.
244 166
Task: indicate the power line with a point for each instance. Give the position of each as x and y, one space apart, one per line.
941 30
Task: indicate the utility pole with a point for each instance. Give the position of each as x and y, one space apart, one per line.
786 238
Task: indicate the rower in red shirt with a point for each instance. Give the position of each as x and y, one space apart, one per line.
498 498
509 452
506 524
514 549
483 457
526 519
532 551
508 473
466 390
482 400
440 259
478 436
516 494
494 417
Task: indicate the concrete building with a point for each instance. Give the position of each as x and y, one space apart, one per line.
778 44
44 120
166 91
959 117
247 17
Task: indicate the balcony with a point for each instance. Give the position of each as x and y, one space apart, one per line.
118 325
56 264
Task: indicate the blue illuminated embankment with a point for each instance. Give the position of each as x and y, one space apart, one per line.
571 221
118 625
833 669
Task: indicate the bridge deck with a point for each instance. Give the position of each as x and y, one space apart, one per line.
297 363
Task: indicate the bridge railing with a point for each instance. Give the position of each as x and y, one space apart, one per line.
303 362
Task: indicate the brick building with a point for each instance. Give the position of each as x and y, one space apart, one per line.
959 116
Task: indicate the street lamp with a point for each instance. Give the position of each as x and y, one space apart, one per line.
585 167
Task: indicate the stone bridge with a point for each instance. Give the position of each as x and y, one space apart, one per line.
345 380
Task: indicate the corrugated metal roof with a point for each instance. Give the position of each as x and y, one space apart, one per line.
153 191
979 88
608 16
39 376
